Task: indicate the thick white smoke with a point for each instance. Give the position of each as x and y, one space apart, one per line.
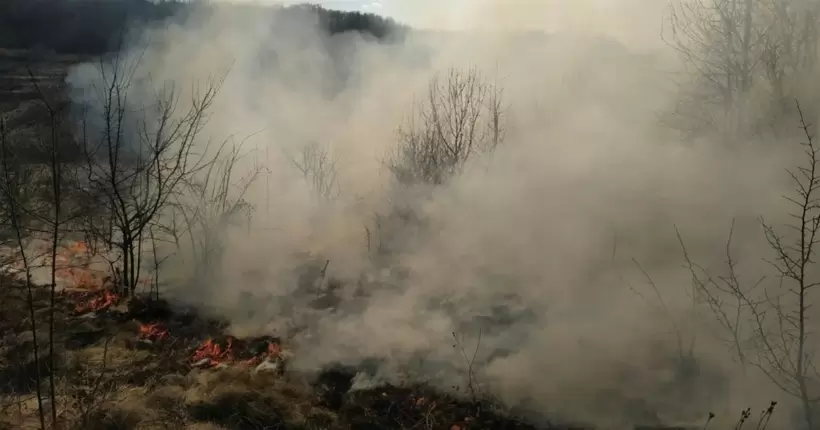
531 249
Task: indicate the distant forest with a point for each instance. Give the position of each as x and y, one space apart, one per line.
90 27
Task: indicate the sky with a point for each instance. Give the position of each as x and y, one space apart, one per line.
381 7
363 5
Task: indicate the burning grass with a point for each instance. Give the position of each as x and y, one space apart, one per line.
231 350
138 364
154 332
93 301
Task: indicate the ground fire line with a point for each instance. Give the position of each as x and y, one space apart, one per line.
93 301
264 352
153 332
161 331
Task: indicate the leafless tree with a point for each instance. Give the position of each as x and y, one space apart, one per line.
720 41
793 357
54 145
318 167
790 44
461 117
473 385
35 177
211 201
731 46
142 156
15 192
726 296
685 341
769 326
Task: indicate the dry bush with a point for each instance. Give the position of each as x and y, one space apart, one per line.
767 321
207 204
137 158
460 118
317 165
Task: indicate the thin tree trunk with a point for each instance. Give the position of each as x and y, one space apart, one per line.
801 361
156 263
746 73
15 222
126 266
56 185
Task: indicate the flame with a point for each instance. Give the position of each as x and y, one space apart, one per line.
153 332
76 273
274 350
213 353
82 277
101 300
78 247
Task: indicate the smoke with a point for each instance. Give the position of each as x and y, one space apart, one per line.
529 257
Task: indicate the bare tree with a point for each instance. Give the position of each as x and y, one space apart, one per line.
732 46
54 147
769 327
792 358
318 167
211 201
141 157
791 44
461 117
719 41
44 210
14 189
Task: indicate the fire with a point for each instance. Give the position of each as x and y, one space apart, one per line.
273 351
102 299
73 267
233 350
81 277
211 354
78 247
153 332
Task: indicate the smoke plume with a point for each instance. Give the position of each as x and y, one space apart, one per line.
531 266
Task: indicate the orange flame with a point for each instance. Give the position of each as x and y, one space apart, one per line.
77 274
103 300
153 332
214 353
78 247
273 351
82 278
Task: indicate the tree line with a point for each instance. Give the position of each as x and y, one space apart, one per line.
94 27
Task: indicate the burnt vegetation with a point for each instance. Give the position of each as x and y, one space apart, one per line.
95 204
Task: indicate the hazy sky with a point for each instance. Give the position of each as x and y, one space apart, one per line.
381 7
376 6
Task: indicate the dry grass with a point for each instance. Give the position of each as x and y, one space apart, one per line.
108 380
